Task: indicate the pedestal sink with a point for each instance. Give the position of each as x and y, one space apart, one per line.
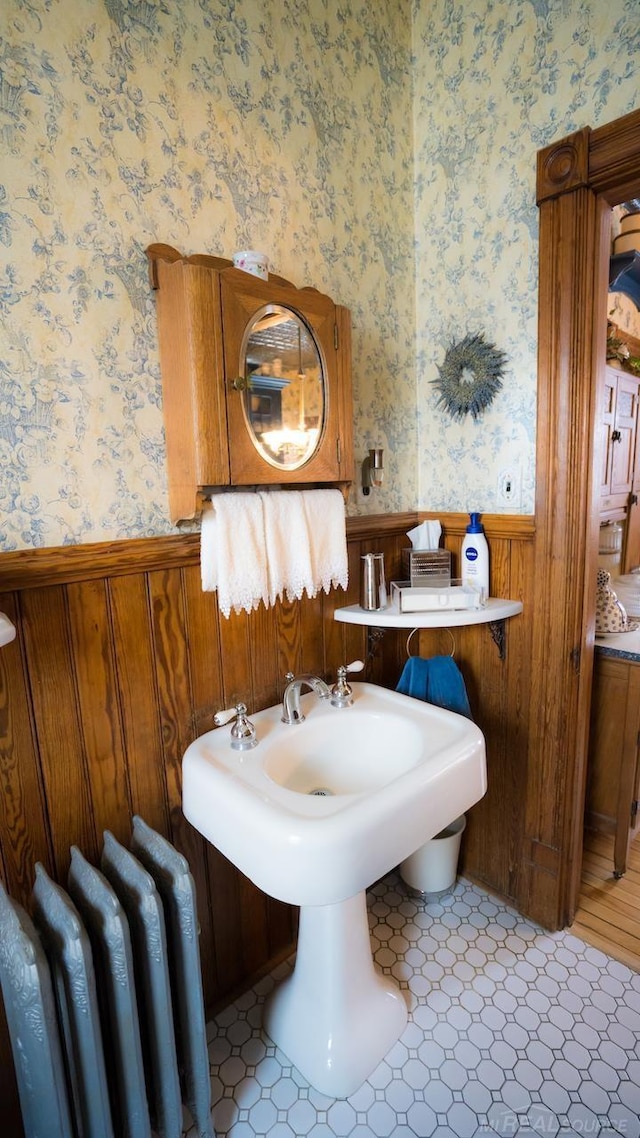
7 630
314 814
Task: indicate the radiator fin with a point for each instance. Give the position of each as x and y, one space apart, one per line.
69 953
108 930
103 996
141 902
170 871
33 1027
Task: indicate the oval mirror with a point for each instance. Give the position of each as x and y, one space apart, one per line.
284 402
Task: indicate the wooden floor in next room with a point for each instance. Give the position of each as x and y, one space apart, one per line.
608 915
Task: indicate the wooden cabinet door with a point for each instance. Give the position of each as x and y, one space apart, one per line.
608 419
623 437
632 536
612 785
631 555
243 296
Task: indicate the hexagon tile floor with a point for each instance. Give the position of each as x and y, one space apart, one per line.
512 1030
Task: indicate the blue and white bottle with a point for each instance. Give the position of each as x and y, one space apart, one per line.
475 557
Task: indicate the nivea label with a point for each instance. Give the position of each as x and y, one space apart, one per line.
471 553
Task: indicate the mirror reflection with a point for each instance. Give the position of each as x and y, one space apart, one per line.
284 401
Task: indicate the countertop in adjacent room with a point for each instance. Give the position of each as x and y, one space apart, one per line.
622 645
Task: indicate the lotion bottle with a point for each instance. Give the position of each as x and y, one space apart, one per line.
475 557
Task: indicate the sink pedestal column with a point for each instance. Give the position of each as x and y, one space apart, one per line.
335 1017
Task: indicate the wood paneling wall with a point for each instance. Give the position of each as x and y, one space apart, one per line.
499 696
121 660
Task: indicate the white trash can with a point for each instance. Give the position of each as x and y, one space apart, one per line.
433 867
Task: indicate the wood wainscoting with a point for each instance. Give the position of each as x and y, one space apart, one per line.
121 660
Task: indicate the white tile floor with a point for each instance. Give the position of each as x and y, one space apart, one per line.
512 1030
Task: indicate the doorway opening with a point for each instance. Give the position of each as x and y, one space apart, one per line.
608 914
579 179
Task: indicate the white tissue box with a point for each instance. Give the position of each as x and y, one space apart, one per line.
426 566
435 598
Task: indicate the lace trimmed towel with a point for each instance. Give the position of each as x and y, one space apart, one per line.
233 557
258 547
287 540
324 510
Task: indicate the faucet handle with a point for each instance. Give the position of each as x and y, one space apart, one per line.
243 733
222 717
341 694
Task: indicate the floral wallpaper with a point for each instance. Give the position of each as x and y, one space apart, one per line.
496 80
381 150
213 126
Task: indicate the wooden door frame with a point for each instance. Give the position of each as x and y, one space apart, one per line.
579 179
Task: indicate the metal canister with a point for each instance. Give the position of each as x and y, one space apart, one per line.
373 592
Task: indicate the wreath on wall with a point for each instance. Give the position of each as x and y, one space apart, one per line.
470 377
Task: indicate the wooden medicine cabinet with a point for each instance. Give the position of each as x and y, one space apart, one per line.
256 379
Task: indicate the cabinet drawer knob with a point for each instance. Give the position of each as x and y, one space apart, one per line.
240 383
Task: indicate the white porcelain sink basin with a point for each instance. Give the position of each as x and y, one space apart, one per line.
7 630
391 772
363 751
315 813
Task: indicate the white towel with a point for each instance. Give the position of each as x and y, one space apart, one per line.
233 556
288 544
327 526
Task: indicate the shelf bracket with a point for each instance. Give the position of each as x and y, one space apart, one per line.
497 628
374 636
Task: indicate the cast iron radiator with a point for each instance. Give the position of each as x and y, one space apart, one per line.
103 996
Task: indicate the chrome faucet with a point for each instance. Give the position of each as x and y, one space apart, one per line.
291 712
243 733
341 693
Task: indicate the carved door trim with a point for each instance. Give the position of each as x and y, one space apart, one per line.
579 179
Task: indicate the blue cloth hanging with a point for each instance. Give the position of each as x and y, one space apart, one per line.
437 680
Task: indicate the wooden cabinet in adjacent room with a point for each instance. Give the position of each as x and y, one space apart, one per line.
620 420
631 551
614 771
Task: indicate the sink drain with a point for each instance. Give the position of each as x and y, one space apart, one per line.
322 792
